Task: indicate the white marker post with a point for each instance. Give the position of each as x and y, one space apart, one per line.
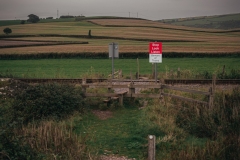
155 55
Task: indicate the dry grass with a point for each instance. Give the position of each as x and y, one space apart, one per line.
55 140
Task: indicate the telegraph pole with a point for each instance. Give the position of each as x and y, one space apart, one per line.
57 13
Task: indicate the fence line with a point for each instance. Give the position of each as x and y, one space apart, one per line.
161 87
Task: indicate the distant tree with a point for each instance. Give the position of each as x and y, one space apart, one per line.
33 18
89 34
7 30
67 16
23 21
49 18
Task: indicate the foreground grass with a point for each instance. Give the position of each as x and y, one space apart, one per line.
78 68
119 135
182 130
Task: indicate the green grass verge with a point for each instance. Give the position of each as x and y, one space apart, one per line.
78 68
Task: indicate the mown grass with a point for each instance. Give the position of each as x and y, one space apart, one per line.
77 68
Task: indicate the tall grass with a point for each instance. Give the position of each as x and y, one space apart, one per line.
54 140
220 126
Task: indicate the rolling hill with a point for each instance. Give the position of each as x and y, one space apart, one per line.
133 36
228 21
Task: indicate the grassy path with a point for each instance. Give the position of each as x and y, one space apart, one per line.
123 134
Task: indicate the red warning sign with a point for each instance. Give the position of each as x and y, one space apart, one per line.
155 48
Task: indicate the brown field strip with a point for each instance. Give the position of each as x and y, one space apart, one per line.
145 23
130 39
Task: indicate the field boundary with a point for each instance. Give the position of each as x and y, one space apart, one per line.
38 43
98 80
104 55
94 37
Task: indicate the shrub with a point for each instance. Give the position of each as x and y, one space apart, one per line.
7 30
11 144
46 101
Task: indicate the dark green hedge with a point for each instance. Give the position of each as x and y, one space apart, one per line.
103 55
45 101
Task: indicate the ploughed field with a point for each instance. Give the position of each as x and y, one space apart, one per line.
133 36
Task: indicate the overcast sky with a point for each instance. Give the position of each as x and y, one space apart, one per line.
148 9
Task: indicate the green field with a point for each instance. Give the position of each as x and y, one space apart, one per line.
78 68
229 21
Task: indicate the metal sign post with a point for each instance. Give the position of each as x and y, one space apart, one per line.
113 53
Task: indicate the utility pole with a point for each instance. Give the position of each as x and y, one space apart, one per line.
57 13
129 14
137 14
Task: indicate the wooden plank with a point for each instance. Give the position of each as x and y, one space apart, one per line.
185 99
186 90
142 95
101 95
124 86
114 98
146 86
122 93
107 86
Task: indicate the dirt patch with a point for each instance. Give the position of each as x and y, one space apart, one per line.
114 158
103 114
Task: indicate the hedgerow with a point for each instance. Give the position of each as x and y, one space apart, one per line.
104 55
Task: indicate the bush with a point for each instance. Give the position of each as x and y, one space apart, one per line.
47 101
12 145
7 30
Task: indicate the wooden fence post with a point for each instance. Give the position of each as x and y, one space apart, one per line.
131 88
84 87
212 92
178 73
120 99
120 74
151 147
214 83
210 104
161 89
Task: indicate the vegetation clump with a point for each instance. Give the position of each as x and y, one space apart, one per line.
47 101
220 124
33 18
7 30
